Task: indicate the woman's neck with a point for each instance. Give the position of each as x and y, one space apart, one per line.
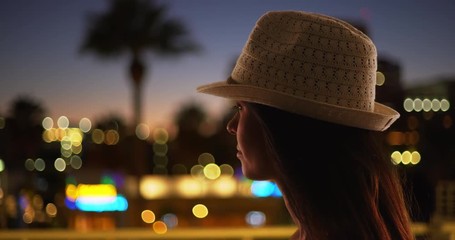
299 234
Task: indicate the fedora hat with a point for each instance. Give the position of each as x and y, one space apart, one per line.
310 64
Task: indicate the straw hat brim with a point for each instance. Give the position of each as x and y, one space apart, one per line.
379 119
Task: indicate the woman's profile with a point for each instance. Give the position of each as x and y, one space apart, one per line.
307 119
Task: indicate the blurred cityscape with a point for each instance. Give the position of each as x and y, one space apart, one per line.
83 175
78 174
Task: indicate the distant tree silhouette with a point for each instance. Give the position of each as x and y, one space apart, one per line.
135 27
24 130
189 142
197 134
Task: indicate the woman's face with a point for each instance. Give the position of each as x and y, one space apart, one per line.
251 147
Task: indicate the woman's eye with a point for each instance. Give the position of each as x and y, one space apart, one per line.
237 108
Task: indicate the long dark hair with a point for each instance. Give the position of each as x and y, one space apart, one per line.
349 190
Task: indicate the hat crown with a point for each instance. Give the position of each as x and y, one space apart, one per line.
310 56
310 64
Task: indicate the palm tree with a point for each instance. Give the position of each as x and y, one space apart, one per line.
134 27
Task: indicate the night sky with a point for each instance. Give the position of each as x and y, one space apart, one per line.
40 40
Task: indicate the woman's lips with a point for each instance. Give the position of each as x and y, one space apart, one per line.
239 154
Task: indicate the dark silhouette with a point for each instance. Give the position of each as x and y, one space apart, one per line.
134 27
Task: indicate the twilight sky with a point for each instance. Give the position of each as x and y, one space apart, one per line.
39 43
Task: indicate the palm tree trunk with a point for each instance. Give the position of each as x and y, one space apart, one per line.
137 74
137 104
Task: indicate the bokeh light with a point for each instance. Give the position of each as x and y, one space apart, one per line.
188 187
60 164
227 170
47 123
63 122
153 187
148 216
206 158
212 171
160 135
2 165
255 218
76 162
39 164
159 227
51 210
98 136
200 211
85 125
29 164
380 78
142 131
170 220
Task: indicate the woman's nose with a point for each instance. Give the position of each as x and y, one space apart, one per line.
231 126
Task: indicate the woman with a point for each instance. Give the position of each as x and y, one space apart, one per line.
306 75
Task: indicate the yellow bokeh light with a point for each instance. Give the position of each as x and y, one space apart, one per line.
40 165
48 136
66 153
408 105
71 192
66 143
153 187
380 78
418 106
63 122
212 171
426 105
224 186
445 105
206 158
227 170
85 125
415 157
75 134
76 149
60 164
148 216
435 105
406 157
160 227
105 190
142 131
98 136
188 187
197 171
59 133
47 123
179 169
200 211
29 164
76 162
160 149
160 135
396 157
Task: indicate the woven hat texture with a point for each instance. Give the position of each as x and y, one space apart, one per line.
309 64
